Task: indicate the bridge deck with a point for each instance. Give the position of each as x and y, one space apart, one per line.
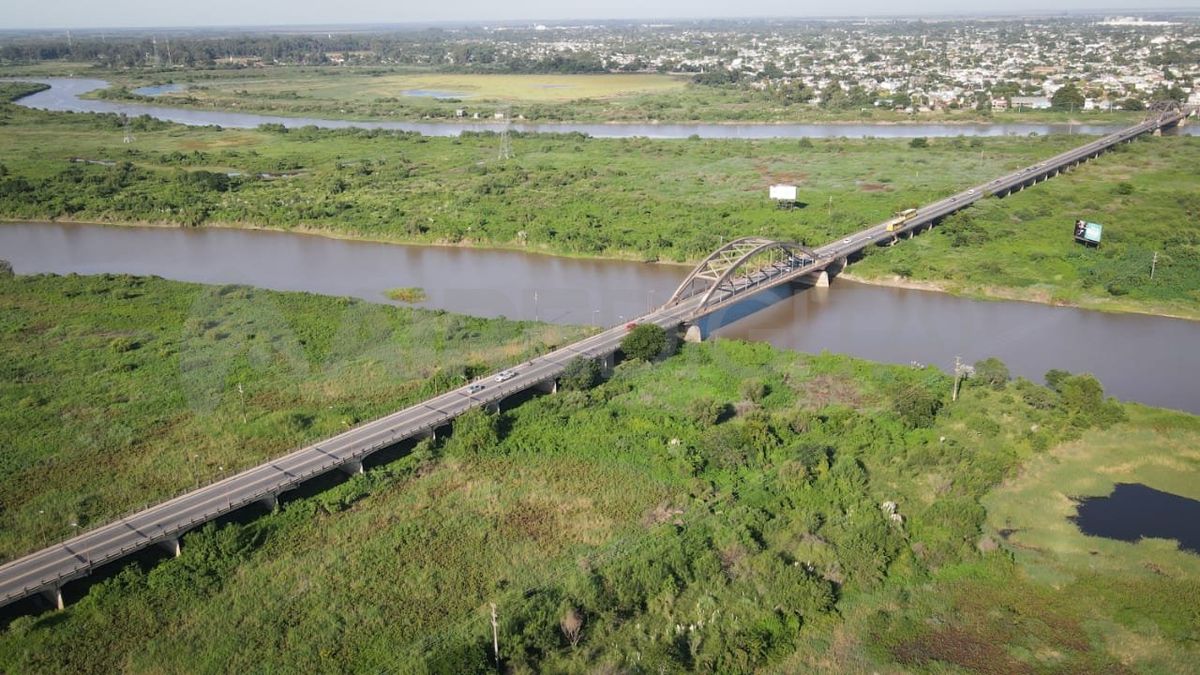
49 568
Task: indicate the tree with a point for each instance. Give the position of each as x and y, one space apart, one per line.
1067 98
1055 378
6 269
992 371
919 142
645 342
580 374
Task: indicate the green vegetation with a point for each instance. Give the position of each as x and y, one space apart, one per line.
1106 601
11 91
116 391
313 90
1022 246
379 93
645 342
580 374
409 294
1068 97
613 528
638 198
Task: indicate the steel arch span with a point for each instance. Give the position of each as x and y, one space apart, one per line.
741 264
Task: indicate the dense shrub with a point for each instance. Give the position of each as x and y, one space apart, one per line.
645 342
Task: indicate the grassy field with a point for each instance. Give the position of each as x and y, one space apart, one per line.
1159 449
116 391
638 198
718 511
1056 600
378 93
1146 197
508 88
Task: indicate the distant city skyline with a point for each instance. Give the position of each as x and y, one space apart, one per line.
85 14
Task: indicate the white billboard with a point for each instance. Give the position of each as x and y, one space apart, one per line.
783 192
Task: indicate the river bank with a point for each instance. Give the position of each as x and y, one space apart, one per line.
638 199
70 95
180 95
1041 297
1139 357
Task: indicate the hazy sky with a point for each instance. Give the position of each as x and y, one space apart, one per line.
141 13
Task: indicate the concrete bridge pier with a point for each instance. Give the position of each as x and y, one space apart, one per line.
549 386
354 467
270 502
608 362
55 597
693 334
820 279
171 546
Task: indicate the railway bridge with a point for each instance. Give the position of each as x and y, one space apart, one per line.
733 273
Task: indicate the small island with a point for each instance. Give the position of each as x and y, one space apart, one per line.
409 294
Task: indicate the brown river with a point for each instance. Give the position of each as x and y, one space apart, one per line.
1148 359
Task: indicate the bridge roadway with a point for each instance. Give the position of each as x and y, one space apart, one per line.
46 571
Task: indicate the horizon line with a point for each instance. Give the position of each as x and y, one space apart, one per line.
484 23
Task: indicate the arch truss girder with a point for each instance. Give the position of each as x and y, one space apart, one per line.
741 264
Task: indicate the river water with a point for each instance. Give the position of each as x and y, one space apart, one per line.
65 92
1148 359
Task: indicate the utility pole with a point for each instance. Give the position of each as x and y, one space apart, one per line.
495 636
957 373
1153 264
242 394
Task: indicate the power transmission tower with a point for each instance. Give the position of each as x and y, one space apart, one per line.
128 132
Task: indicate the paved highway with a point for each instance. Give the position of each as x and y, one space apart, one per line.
48 569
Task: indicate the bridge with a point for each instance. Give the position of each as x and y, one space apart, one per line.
736 271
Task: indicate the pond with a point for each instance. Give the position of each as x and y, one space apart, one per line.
434 93
159 89
1134 511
